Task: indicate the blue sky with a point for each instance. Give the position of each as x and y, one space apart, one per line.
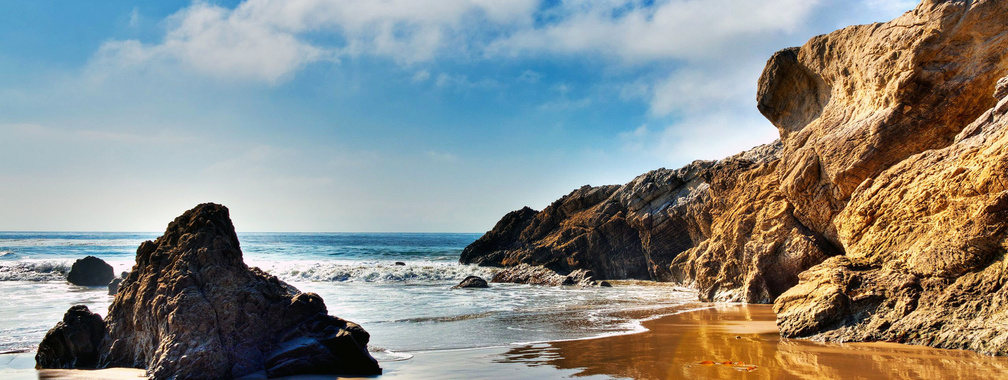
393 115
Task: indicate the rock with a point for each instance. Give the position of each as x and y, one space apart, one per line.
925 251
722 227
880 214
90 271
853 103
73 342
539 275
604 284
191 308
113 287
472 282
400 263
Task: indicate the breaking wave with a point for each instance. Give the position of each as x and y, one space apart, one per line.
379 272
47 270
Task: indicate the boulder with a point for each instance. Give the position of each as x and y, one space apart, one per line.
472 282
113 287
191 308
74 342
90 271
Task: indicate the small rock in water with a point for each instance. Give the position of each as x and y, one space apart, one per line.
472 282
400 263
605 284
91 271
113 287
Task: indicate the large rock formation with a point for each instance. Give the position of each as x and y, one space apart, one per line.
191 308
886 192
722 227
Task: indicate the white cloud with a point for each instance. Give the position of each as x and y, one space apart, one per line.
421 76
678 29
270 40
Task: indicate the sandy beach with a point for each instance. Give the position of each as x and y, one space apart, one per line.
707 341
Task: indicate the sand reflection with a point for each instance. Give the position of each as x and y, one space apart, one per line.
741 341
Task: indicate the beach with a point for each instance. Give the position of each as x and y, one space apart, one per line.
704 341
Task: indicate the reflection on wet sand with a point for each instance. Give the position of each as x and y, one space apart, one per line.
741 341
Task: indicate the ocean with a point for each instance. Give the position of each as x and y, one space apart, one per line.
406 308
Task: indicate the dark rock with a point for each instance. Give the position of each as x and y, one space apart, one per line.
113 287
400 263
73 342
472 282
90 271
191 308
604 284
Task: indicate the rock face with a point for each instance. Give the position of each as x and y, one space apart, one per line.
73 342
90 271
880 214
720 226
191 308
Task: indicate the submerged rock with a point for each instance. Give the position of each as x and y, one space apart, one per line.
191 308
90 271
74 342
472 282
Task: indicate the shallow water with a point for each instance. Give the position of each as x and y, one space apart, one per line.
406 308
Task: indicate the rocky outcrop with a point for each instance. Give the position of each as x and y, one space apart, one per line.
191 308
74 342
472 282
886 193
90 271
540 275
722 227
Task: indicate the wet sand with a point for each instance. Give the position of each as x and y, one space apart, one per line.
741 341
716 341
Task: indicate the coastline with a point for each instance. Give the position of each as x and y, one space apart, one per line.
693 343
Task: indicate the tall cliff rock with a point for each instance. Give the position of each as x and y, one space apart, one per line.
884 199
192 309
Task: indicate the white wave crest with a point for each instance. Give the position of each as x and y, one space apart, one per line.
379 272
48 270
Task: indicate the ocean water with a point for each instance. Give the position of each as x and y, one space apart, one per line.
406 308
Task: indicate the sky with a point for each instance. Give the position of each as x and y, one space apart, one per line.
372 116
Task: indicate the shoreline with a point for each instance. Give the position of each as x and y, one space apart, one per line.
710 341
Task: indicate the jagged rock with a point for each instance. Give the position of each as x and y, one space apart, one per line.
853 103
722 227
540 275
191 308
886 192
73 342
472 282
925 252
90 271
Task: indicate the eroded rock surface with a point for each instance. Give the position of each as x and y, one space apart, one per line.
722 227
191 308
886 192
